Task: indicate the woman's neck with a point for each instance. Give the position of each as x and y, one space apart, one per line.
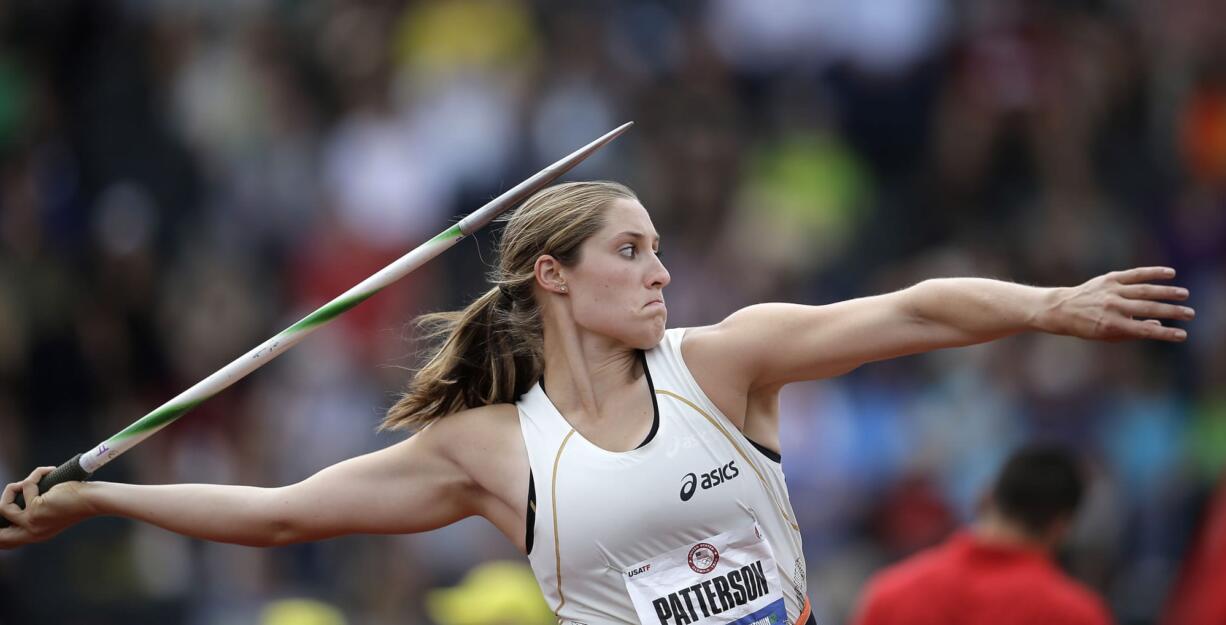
585 372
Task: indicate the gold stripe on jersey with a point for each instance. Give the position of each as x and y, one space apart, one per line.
770 493
557 547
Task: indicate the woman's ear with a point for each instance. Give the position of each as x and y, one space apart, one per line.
549 274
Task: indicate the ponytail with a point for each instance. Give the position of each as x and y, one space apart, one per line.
488 353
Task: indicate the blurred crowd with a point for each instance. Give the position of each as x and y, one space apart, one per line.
181 179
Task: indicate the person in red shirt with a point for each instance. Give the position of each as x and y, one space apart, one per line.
1198 598
1000 570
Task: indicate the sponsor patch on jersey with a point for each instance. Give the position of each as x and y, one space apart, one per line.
729 579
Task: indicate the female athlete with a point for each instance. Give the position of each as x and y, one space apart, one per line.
637 466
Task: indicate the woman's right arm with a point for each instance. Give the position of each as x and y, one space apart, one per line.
412 486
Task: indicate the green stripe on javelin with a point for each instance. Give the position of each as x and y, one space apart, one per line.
451 233
328 313
156 419
335 309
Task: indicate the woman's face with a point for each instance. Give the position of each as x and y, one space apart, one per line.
617 287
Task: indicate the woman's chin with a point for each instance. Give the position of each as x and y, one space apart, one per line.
654 337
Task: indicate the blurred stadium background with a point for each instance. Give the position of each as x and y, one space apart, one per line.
180 179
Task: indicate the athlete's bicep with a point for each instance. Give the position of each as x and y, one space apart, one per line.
769 345
412 486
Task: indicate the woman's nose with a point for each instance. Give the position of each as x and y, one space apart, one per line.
659 275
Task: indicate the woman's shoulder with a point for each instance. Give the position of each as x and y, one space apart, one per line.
694 343
484 440
478 422
732 339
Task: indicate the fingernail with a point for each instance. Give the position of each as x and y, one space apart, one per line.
1182 292
1189 312
1169 271
1180 334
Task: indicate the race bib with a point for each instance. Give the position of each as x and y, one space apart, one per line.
726 579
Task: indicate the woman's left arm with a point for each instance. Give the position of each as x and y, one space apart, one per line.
769 345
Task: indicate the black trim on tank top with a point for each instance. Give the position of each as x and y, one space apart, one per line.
529 534
655 405
531 516
773 455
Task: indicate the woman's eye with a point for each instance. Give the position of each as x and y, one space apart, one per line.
627 251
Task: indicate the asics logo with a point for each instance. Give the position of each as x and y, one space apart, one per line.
691 482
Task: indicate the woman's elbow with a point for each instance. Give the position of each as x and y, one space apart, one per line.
924 301
280 535
276 522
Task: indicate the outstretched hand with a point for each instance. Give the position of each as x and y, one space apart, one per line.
45 515
1121 305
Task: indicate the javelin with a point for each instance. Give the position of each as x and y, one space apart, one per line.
81 466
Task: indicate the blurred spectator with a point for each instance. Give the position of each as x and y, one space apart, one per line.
1197 598
1001 570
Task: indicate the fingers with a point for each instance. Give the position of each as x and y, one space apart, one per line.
8 508
30 484
1151 329
15 535
1153 291
1142 304
10 493
1154 310
10 537
6 498
38 474
20 532
28 489
1142 274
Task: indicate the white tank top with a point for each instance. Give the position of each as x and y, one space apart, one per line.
695 526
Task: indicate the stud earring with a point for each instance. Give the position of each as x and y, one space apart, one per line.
564 289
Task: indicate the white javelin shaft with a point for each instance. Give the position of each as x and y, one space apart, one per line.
170 411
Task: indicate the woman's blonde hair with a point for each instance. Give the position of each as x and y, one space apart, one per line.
492 351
